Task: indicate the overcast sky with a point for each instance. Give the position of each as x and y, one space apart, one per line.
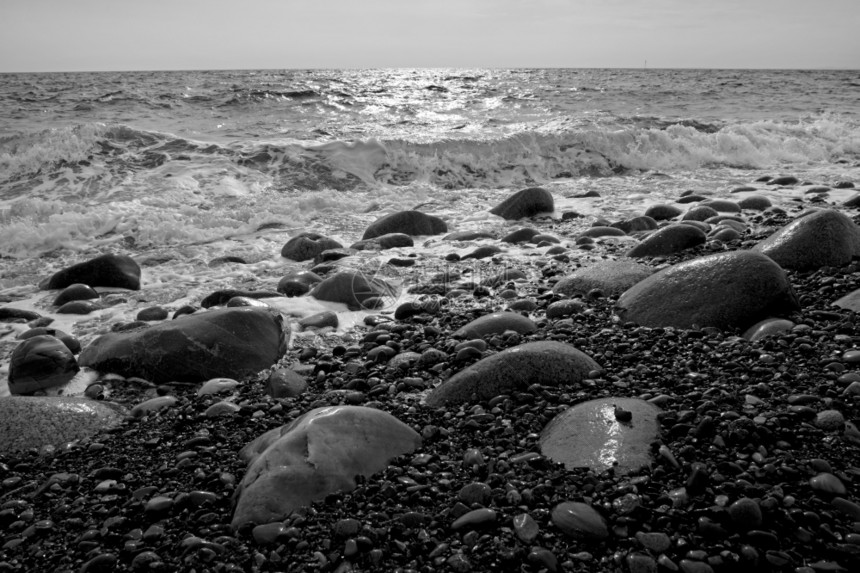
62 35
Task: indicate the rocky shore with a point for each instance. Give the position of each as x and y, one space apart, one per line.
753 464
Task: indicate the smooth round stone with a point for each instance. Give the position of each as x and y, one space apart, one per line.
668 240
216 386
152 313
39 363
848 507
325 319
662 212
689 566
767 327
852 389
638 563
525 203
286 383
405 222
104 563
851 356
475 493
600 231
826 482
746 514
78 291
611 277
306 246
475 518
526 528
158 504
755 203
822 238
79 307
268 533
830 420
722 205
153 404
580 521
655 541
591 434
699 213
564 308
543 558
496 323
222 408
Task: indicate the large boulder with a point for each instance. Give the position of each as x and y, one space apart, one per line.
40 362
315 455
407 222
545 362
306 246
609 277
668 240
726 290
36 421
234 342
526 203
118 271
819 239
602 434
496 323
356 290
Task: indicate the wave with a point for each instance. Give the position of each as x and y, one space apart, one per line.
101 162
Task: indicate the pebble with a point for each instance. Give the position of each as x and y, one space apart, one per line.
826 482
222 408
474 518
543 558
475 493
746 514
268 533
153 404
526 528
656 541
830 420
579 520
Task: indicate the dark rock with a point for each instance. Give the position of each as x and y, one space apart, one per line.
79 307
784 180
662 212
407 222
118 271
70 341
637 224
468 236
496 323
35 421
75 292
668 240
152 313
504 277
10 314
354 289
601 231
39 363
298 283
580 521
726 290
722 205
526 203
699 213
482 252
520 235
822 238
222 297
685 199
384 242
564 308
229 259
229 342
610 277
285 383
317 454
323 319
767 327
590 434
332 255
755 203
546 362
306 246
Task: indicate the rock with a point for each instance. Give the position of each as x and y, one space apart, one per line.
725 290
76 291
11 314
564 308
526 203
746 514
152 313
217 386
611 277
662 212
850 301
830 420
656 542
784 180
223 297
724 234
39 363
668 240
35 421
306 246
325 319
153 405
504 277
468 236
767 327
475 518
384 242
819 239
354 289
693 198
526 528
317 454
755 203
332 255
580 521
589 434
699 213
637 224
496 323
407 222
722 205
79 307
70 341
827 483
118 271
602 231
229 342
482 252
545 362
520 235
285 383
298 283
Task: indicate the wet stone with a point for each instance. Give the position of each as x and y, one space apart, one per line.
474 518
746 514
657 541
475 493
827 483
526 528
580 521
830 420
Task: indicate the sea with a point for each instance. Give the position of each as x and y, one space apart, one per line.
179 169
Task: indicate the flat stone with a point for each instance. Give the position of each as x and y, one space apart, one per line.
819 239
611 277
590 434
526 528
475 518
602 231
229 342
546 362
317 454
325 319
35 421
726 290
496 323
668 240
526 203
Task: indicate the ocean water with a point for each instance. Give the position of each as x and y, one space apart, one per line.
179 168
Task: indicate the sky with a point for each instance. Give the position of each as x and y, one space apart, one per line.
111 35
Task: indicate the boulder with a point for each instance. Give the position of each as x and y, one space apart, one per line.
36 421
407 222
40 362
591 434
662 212
725 290
232 342
496 323
356 290
317 454
222 297
819 239
609 277
545 362
306 246
117 271
668 240
526 203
